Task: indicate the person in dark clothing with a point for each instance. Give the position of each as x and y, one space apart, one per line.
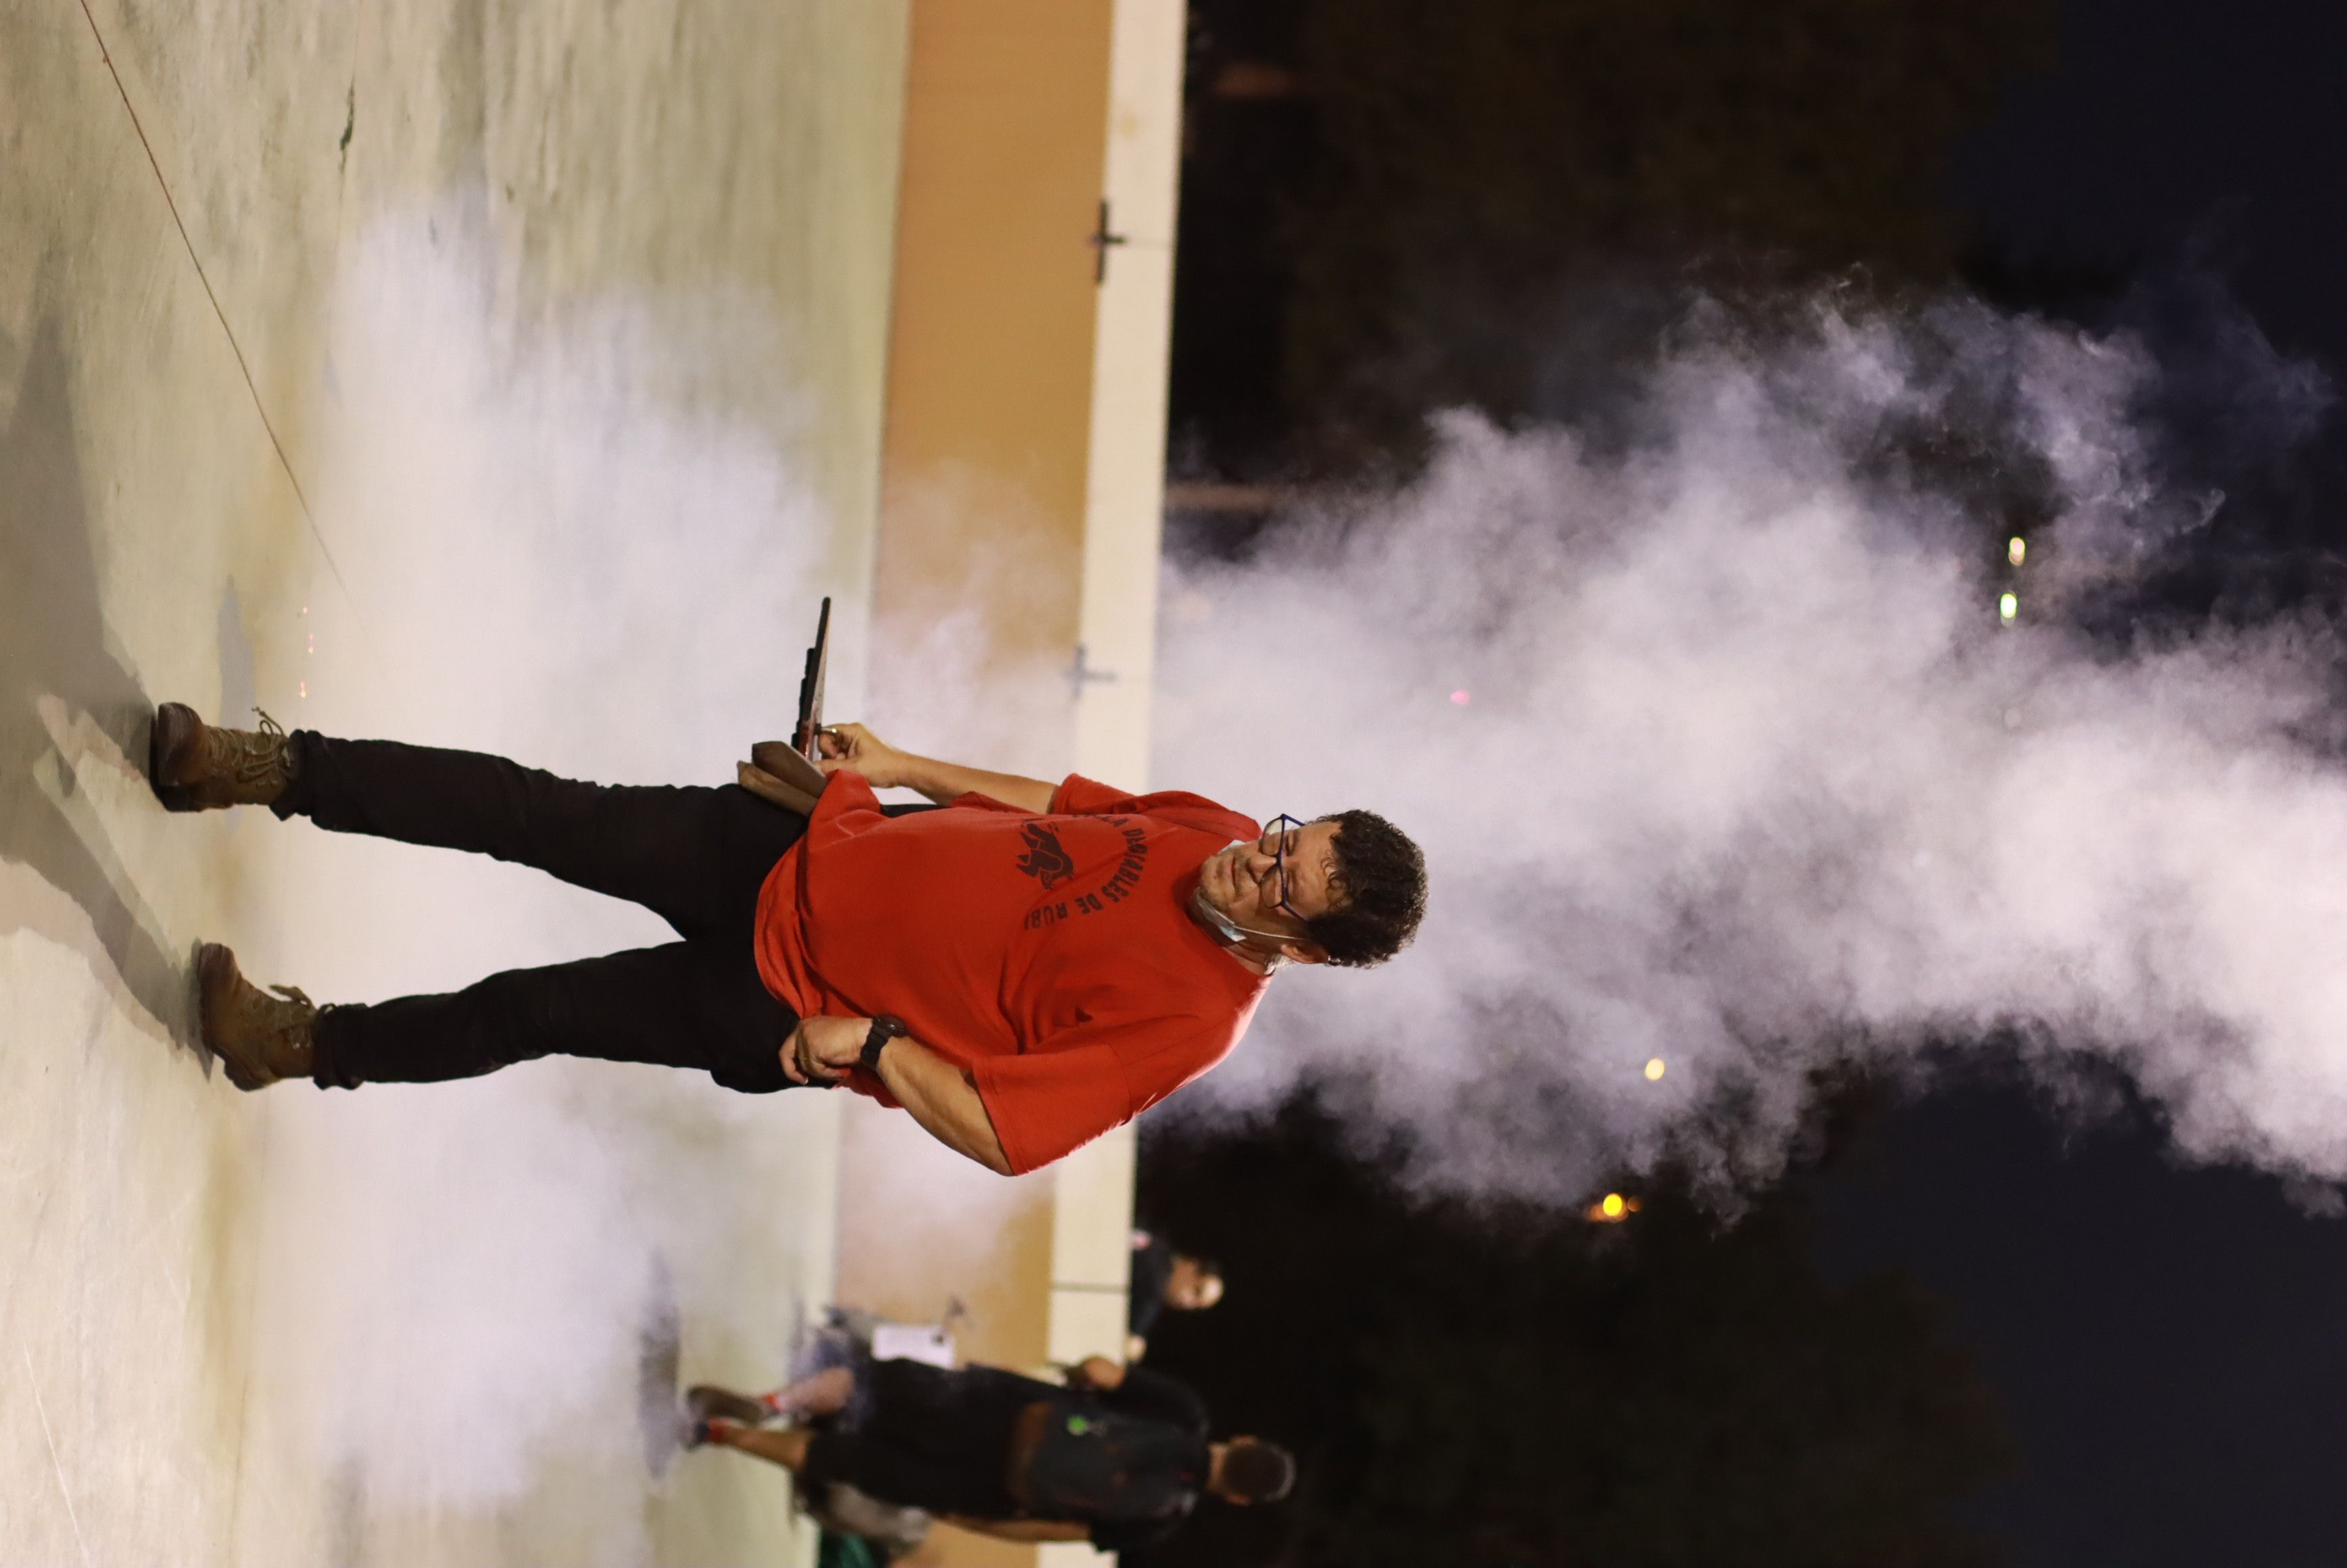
1118 1457
1164 1280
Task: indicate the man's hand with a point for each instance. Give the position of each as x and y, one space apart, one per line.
822 1049
1095 1372
852 748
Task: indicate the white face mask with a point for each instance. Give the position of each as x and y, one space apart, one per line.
1232 932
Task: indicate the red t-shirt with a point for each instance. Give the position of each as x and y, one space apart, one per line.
1052 956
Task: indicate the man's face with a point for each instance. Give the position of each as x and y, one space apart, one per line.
1191 1285
1276 883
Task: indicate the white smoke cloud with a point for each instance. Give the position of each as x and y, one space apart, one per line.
1721 756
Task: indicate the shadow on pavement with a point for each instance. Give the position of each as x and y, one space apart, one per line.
54 656
658 1396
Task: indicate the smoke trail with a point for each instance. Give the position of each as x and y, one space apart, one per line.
1722 758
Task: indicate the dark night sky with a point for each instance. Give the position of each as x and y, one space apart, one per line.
2171 119
2171 1344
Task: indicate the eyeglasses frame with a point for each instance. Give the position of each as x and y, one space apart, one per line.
1276 836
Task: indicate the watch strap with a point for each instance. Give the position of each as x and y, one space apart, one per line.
884 1028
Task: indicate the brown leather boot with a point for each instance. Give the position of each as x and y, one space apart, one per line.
258 1037
196 766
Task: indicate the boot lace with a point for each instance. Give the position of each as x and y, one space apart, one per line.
255 758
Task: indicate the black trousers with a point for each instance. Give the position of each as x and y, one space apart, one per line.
935 1439
696 857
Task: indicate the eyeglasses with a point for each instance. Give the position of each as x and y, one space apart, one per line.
1279 838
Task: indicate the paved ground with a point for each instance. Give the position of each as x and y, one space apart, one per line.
508 374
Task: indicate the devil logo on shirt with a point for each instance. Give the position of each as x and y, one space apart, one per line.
1045 860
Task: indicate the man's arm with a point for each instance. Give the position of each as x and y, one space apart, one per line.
1021 1529
943 1098
933 1089
852 748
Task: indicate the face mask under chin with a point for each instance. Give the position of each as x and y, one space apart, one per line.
1232 932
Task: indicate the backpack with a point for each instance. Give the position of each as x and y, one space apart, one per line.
1091 1462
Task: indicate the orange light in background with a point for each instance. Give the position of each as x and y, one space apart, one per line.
1610 1210
1655 1070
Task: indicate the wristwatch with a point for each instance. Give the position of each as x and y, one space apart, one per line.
884 1028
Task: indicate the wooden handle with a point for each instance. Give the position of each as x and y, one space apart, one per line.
767 787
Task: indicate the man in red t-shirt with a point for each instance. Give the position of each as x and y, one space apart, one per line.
1021 966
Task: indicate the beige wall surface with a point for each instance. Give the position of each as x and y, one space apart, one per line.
522 390
990 366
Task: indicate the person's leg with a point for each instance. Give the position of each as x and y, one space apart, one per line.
787 1448
916 1450
687 1004
705 1402
824 1393
935 1439
696 856
879 1466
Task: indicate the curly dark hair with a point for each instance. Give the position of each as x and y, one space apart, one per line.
1380 884
1258 1471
